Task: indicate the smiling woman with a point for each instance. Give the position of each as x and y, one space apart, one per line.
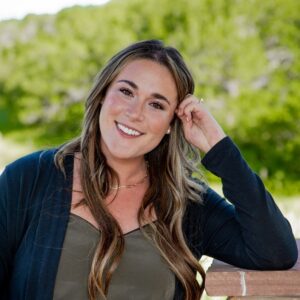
120 212
135 115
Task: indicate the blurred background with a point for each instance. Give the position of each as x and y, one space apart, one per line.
244 56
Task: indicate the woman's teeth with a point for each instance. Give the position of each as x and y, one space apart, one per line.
128 130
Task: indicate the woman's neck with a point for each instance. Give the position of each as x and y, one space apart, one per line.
129 171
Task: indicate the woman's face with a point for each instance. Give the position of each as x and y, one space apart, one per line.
137 110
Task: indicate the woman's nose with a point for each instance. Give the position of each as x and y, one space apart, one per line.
135 111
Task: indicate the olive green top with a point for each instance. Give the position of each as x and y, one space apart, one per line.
141 274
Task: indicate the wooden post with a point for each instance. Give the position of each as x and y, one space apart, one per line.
226 280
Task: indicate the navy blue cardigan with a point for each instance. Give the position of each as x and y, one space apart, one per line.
35 203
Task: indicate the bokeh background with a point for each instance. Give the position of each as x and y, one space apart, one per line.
244 55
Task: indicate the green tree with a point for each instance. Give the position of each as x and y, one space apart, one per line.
244 56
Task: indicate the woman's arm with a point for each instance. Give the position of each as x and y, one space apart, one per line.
16 185
252 233
5 251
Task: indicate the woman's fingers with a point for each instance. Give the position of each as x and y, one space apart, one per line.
189 108
200 127
188 99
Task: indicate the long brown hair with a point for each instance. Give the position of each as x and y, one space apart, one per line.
173 159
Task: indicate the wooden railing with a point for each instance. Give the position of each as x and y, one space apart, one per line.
235 283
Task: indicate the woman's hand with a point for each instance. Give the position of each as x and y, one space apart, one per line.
199 126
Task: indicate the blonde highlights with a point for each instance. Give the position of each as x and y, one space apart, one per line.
174 159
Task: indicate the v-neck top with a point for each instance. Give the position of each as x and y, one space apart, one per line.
142 273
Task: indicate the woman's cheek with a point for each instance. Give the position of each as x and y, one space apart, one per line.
114 101
160 122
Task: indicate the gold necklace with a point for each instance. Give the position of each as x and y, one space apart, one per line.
128 186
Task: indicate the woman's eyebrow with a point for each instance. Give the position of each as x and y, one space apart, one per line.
134 86
131 83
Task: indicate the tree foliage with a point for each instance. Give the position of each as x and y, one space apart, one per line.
244 56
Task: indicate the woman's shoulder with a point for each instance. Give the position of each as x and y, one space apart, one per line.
32 162
27 174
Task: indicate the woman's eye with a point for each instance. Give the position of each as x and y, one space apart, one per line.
126 92
157 105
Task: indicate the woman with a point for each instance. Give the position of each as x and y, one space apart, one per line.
117 212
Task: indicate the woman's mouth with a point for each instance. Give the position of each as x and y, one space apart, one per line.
127 130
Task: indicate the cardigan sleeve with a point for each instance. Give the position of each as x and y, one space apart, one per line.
5 241
35 202
250 232
16 184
